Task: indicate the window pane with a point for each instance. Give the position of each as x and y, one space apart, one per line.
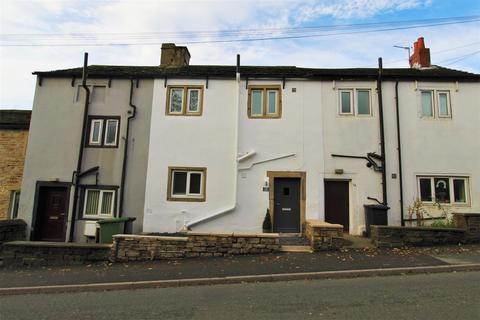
442 190
179 182
96 131
427 109
111 134
195 183
257 102
425 190
107 202
193 97
459 190
91 206
176 100
272 102
346 102
443 104
363 98
97 94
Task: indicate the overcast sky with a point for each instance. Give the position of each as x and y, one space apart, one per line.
17 84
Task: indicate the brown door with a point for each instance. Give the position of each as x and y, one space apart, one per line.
286 216
337 203
52 213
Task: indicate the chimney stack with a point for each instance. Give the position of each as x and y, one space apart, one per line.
421 55
173 56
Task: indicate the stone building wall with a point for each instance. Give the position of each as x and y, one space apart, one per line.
12 156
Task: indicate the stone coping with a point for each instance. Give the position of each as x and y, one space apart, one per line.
323 224
234 234
418 228
467 214
137 236
57 244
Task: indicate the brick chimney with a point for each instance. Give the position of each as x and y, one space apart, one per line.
173 56
421 55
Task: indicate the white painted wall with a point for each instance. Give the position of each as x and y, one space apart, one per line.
312 129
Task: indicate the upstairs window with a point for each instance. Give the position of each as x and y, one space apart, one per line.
264 101
186 184
184 100
99 203
103 131
435 104
355 102
444 190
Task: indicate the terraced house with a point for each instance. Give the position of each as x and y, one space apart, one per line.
211 148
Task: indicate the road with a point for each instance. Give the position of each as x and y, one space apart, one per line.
434 296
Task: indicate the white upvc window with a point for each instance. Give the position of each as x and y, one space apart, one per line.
96 131
435 104
346 101
186 184
272 102
427 103
99 203
443 190
443 104
363 102
111 132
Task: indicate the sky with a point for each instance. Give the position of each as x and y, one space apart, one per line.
107 21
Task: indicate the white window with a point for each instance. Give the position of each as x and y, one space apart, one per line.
264 101
427 104
443 103
14 201
346 102
99 203
96 131
363 102
184 100
186 184
103 131
111 132
444 190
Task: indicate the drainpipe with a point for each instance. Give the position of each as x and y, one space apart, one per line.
133 113
82 143
382 131
235 154
399 148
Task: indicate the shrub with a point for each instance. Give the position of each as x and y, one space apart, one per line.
267 223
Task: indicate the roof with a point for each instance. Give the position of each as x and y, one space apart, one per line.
278 72
15 119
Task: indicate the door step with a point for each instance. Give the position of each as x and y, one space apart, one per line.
296 249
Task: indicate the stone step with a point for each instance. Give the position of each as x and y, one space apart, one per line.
296 249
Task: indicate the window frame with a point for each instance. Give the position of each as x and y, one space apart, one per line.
452 202
432 97
449 108
91 142
370 113
102 189
435 96
340 102
115 142
14 203
103 132
265 99
187 197
185 100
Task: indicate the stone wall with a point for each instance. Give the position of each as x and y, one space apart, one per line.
323 235
12 156
194 244
37 253
470 222
388 236
12 230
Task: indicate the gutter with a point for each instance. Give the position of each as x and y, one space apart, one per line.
82 142
399 149
382 131
235 155
125 149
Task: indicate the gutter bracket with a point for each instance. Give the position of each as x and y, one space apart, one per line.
137 84
40 81
165 82
109 82
283 79
73 82
206 83
246 83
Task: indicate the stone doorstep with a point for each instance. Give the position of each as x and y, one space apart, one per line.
289 248
322 224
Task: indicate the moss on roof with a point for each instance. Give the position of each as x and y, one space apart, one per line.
221 71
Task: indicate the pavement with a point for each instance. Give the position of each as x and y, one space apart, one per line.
261 266
423 296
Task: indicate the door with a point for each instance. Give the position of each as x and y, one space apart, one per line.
337 203
286 205
52 213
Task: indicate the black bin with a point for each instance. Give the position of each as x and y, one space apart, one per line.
375 214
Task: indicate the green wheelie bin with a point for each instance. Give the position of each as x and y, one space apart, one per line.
110 227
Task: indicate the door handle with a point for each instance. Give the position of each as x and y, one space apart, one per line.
61 214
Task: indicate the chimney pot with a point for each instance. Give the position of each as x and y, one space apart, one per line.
174 56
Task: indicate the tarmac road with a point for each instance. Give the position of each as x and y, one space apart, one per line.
428 296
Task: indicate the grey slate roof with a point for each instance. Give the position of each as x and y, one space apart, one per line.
15 119
277 72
